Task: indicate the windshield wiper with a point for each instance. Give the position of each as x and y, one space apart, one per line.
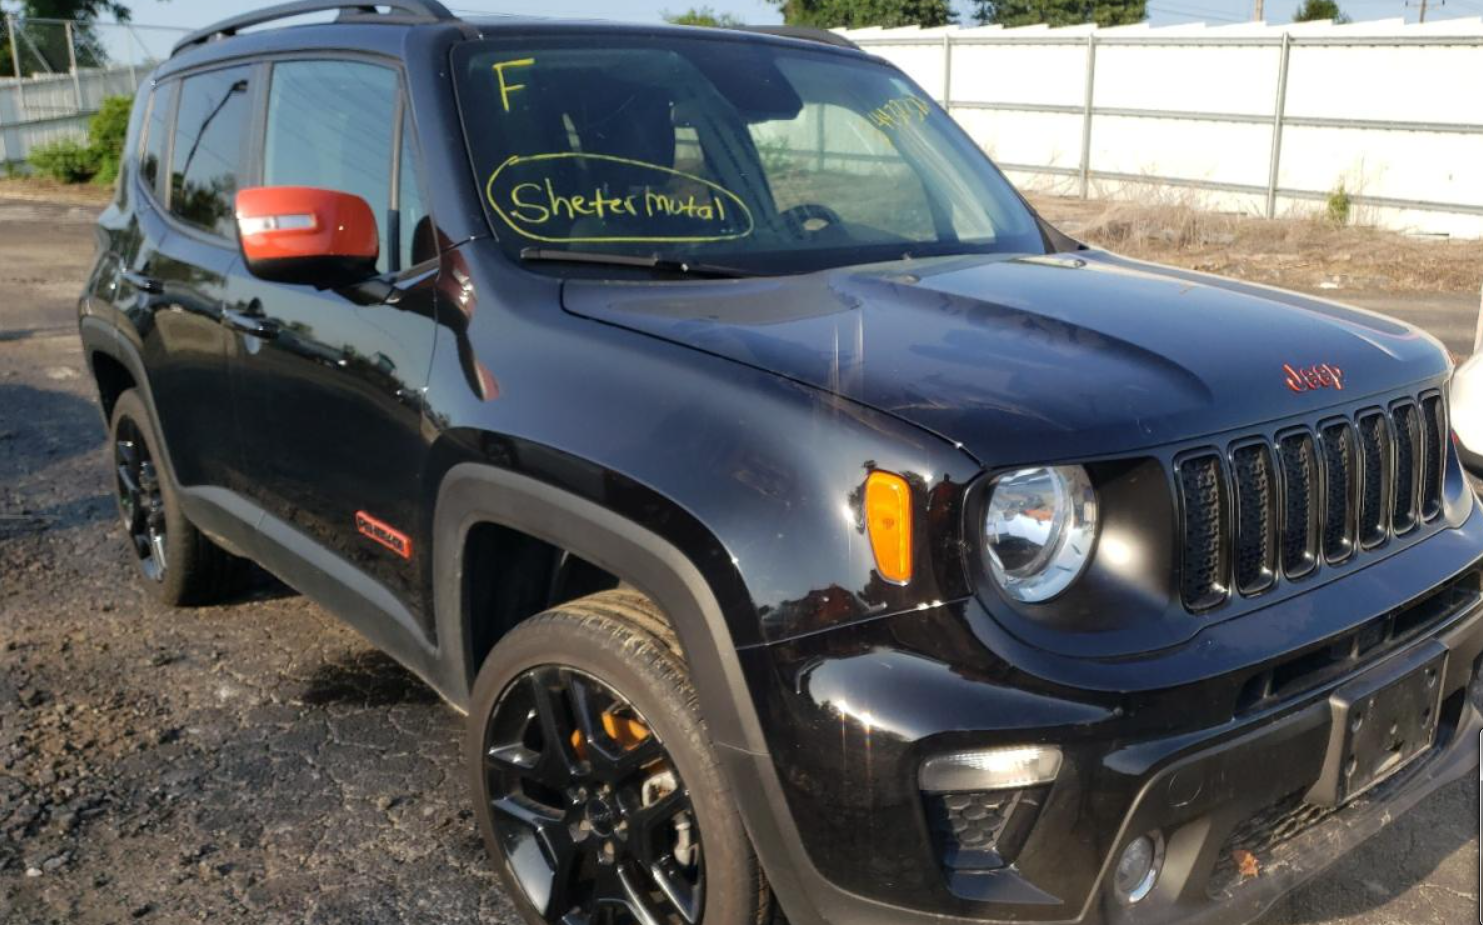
652 262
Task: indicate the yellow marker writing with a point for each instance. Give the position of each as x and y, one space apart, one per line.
524 195
505 89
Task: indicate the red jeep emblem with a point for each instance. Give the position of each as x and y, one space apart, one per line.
1321 376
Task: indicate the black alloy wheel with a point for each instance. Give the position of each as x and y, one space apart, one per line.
595 824
140 501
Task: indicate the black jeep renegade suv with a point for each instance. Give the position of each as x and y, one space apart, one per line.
802 522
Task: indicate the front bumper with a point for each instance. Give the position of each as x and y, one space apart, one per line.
1173 744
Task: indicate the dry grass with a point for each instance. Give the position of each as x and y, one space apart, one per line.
1296 253
38 189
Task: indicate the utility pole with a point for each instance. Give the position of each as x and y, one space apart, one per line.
1422 4
1258 11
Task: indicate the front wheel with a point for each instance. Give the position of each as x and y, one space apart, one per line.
597 789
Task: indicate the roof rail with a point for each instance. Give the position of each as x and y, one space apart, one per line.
402 12
805 33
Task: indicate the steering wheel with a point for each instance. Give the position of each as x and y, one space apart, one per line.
810 218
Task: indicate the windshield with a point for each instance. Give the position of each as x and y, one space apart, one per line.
746 154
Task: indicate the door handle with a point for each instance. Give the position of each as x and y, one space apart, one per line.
141 282
256 325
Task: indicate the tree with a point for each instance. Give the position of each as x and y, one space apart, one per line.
1060 12
43 46
702 16
1320 9
855 14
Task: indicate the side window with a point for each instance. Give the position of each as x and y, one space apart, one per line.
211 132
330 125
414 226
156 136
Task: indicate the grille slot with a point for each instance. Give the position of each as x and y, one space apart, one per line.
1341 484
1299 464
1256 518
1374 494
1434 437
1410 457
1203 566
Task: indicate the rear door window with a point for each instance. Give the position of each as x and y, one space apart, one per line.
331 125
211 132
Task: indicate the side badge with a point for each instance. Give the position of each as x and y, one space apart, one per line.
395 540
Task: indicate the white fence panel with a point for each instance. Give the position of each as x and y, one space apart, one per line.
1264 119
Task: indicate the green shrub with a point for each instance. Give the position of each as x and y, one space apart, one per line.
66 160
106 133
1339 205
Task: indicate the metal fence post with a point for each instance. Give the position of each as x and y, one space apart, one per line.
1086 116
947 71
15 60
133 74
1279 108
72 65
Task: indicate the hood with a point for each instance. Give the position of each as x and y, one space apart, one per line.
1033 359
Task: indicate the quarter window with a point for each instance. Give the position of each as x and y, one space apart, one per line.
211 131
156 136
331 125
414 225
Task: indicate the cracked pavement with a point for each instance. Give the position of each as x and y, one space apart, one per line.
260 762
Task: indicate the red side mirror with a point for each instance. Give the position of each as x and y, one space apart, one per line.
299 234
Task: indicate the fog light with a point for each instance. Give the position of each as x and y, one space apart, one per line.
991 769
1138 867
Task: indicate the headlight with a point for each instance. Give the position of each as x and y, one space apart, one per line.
1039 530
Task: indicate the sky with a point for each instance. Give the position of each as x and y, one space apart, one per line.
195 13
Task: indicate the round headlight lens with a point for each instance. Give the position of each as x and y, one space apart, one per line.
1039 530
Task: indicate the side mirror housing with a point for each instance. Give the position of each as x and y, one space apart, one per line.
300 234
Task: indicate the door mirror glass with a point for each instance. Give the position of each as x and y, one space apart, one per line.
301 234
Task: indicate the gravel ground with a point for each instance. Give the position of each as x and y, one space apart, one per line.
260 762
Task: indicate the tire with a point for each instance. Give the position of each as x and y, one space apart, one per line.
615 643
180 566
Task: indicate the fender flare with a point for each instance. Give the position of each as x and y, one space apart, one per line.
98 336
474 493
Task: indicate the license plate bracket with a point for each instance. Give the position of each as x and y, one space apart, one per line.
1382 721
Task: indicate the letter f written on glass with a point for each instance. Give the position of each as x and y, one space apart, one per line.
505 87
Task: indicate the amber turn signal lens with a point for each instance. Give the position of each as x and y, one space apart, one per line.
888 519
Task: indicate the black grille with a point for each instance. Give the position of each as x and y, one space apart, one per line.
1280 509
1409 456
1340 481
1299 504
1203 572
1256 515
981 830
1251 847
1375 490
1435 438
968 825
